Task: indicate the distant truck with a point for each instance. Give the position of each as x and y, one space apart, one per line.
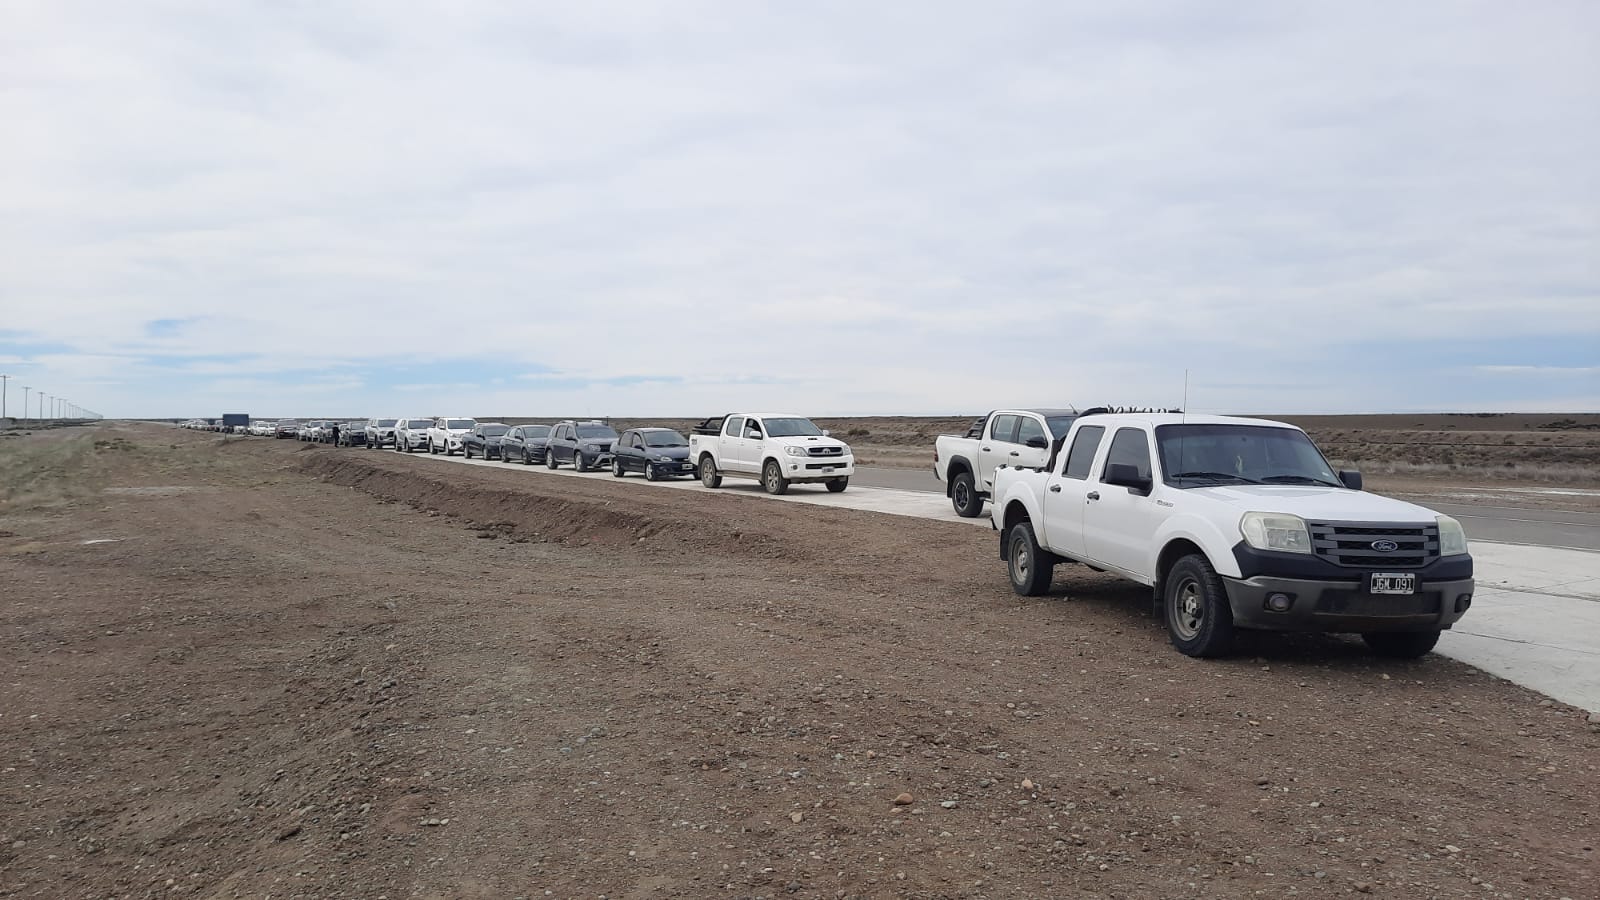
1006 437
776 449
235 422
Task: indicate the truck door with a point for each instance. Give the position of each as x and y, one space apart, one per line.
1033 444
995 448
730 445
1119 522
1066 496
753 445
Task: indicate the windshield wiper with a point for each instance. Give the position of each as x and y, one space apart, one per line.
1299 479
1228 475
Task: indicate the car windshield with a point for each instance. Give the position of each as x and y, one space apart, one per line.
596 431
495 430
535 431
1059 425
664 439
791 428
385 423
419 423
1197 455
459 423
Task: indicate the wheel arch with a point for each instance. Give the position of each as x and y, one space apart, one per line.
958 465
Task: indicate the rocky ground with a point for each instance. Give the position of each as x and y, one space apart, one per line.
241 667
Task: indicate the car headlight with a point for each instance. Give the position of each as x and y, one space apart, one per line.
795 451
1275 531
1452 537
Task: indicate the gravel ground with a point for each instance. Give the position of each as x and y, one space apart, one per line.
296 671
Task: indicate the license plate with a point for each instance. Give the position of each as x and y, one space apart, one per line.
827 469
1384 583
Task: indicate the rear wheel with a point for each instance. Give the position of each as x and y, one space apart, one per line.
772 478
837 485
708 472
1401 644
1026 563
1199 620
466 451
964 496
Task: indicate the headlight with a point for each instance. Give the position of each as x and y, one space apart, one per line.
592 448
1275 531
795 451
1452 538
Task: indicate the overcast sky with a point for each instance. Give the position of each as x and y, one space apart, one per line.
394 208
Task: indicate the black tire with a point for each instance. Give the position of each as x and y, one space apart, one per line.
837 485
527 458
432 450
772 479
708 472
1028 566
616 468
1401 644
964 496
1195 605
577 461
466 451
650 473
550 460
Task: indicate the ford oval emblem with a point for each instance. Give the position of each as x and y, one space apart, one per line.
1385 546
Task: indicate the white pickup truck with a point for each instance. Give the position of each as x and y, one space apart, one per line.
1005 437
1234 523
779 449
447 434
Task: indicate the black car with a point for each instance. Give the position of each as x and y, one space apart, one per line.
484 439
524 444
353 434
584 444
657 452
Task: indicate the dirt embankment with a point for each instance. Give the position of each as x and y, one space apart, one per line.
307 672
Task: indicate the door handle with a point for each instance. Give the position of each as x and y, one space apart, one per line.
984 449
1055 488
1094 495
1015 453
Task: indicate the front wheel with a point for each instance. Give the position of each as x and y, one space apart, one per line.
1401 644
1026 563
1199 620
527 459
616 469
772 479
578 463
650 473
550 459
708 473
964 496
837 485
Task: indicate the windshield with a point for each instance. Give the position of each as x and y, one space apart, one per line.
535 431
495 430
596 431
419 423
1195 455
385 423
664 439
459 423
1059 425
792 428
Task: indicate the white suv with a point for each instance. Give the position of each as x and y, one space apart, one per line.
447 434
411 434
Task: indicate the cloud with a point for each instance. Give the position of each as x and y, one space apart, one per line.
841 208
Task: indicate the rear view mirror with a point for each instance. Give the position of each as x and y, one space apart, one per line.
1124 475
1351 479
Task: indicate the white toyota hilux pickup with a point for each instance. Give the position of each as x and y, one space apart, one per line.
1234 523
778 449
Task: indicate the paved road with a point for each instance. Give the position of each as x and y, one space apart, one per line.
1484 522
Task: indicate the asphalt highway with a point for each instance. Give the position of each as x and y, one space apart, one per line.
1505 524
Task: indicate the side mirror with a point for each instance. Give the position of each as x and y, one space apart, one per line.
1351 479
1038 443
1124 475
824 432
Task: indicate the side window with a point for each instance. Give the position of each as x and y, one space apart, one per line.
1084 445
734 427
1004 429
1029 429
1131 447
638 441
752 429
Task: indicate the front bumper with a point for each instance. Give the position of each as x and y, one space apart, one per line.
804 469
381 439
674 467
1344 605
593 460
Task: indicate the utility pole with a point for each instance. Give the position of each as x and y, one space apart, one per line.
4 381
25 390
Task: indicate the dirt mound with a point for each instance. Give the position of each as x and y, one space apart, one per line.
532 511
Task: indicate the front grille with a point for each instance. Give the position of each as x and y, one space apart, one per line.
821 466
1350 544
825 451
